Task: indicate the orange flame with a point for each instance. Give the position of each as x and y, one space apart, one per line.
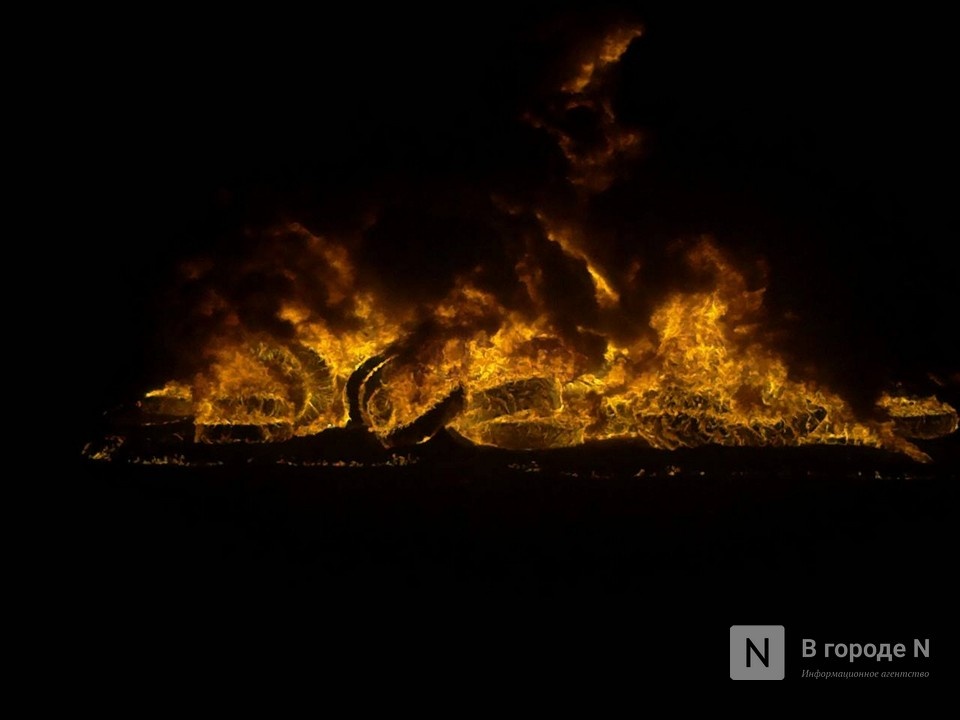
505 379
516 374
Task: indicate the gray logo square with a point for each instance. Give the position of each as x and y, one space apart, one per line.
757 652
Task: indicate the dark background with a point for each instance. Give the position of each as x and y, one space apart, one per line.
822 142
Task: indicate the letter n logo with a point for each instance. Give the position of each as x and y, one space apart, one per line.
757 652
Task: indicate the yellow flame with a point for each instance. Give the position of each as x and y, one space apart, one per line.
606 296
523 382
508 372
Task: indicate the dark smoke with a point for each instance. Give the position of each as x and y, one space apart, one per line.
807 146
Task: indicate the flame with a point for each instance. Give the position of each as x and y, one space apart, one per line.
592 160
507 368
606 296
693 374
607 52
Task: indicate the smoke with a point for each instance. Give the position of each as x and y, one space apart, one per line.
557 248
405 265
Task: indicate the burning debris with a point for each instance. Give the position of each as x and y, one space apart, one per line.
920 418
538 344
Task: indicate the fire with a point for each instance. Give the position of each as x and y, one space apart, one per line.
605 53
584 98
497 362
693 374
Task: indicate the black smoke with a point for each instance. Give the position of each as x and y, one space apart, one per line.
815 144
